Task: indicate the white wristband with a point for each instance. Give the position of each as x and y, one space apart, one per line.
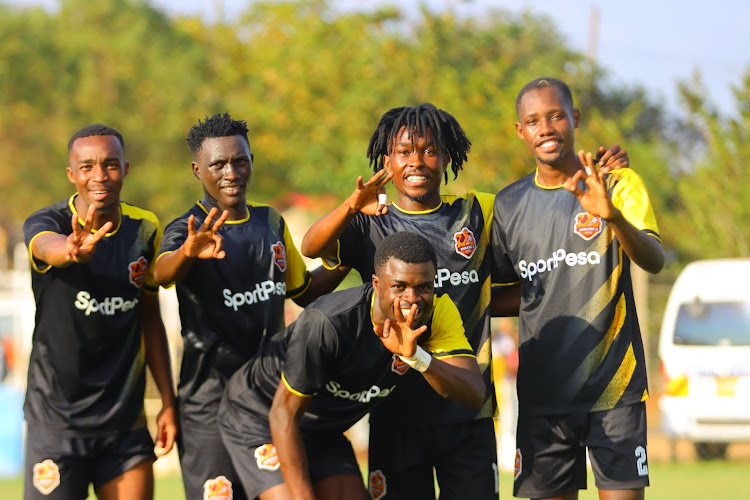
420 361
383 199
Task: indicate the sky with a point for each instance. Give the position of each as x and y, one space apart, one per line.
651 43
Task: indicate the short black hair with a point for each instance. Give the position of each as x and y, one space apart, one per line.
219 125
406 247
446 132
95 129
540 83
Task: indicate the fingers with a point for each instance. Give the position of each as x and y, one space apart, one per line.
219 252
382 203
222 219
102 231
209 219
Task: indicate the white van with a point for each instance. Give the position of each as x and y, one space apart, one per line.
705 356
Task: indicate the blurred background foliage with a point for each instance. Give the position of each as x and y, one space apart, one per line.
312 82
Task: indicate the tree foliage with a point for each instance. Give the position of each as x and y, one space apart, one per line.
311 82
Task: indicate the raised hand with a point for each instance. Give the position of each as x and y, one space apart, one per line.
82 242
365 197
397 335
593 198
613 158
206 242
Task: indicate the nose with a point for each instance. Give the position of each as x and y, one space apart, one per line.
99 173
230 171
545 126
409 295
416 158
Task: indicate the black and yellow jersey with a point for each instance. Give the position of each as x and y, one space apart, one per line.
87 368
459 230
580 346
228 306
331 355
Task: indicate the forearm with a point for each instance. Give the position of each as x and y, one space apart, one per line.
458 380
157 355
322 281
291 452
51 249
172 267
643 249
320 239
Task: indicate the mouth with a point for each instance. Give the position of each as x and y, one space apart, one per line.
406 310
232 190
549 145
416 179
99 194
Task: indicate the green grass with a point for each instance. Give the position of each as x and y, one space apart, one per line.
669 481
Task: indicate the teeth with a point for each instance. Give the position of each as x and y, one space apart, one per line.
405 312
416 178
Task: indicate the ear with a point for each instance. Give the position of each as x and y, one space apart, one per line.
519 129
126 169
71 175
196 170
387 164
376 284
576 117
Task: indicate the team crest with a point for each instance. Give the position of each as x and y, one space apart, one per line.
266 457
465 242
219 488
137 271
279 255
398 365
378 487
46 476
517 464
587 226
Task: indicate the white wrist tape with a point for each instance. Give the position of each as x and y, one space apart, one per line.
383 199
420 361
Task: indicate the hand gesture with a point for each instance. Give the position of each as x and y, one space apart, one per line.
206 242
166 430
593 198
82 242
613 158
367 198
397 336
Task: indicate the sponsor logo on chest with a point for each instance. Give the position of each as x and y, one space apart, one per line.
365 396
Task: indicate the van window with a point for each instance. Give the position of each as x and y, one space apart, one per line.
713 324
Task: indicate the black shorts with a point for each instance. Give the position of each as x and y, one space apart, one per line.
62 466
205 463
551 451
256 462
463 455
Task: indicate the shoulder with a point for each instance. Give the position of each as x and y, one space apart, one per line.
139 214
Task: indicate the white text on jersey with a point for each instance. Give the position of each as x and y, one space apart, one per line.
463 278
108 307
363 396
530 269
262 293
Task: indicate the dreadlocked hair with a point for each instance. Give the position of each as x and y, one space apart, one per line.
219 125
446 132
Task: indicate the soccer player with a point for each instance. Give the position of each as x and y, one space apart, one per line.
234 264
287 409
415 431
568 233
97 325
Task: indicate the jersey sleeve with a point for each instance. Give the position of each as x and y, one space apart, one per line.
629 195
297 275
311 353
447 335
174 235
503 272
350 244
45 220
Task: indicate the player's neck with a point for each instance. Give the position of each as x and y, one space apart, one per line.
237 211
554 175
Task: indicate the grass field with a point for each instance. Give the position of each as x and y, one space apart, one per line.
669 481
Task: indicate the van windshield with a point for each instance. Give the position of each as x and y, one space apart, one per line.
713 323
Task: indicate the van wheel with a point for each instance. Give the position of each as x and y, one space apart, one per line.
711 451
